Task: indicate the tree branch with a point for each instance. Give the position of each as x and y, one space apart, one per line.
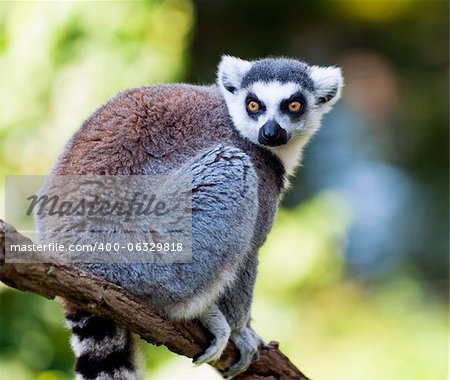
110 301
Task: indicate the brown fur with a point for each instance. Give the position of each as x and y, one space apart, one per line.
154 130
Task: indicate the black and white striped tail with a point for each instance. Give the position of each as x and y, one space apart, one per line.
103 350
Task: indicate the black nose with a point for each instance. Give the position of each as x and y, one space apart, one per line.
272 134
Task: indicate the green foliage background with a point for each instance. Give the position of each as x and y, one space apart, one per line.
61 60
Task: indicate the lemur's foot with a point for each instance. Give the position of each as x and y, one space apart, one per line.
215 322
248 343
212 353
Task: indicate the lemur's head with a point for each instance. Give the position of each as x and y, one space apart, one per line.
277 100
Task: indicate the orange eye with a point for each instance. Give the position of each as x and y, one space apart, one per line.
295 106
253 106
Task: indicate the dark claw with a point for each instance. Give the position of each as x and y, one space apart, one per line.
195 358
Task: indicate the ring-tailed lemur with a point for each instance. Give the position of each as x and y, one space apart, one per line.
239 141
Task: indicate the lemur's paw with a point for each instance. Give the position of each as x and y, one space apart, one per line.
247 342
212 353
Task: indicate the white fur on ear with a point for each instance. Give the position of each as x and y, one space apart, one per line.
230 73
328 82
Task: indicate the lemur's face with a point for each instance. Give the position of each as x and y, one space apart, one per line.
271 113
275 101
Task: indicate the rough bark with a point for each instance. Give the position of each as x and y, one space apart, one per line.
108 300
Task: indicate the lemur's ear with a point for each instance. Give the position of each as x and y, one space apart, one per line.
230 73
328 82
